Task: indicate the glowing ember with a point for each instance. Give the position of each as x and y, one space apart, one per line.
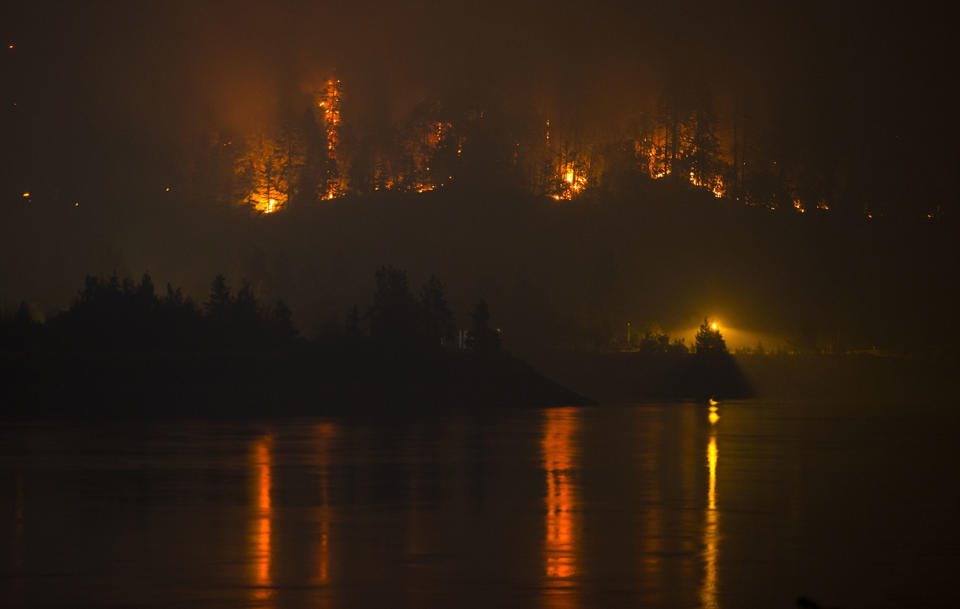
797 205
267 168
573 180
333 184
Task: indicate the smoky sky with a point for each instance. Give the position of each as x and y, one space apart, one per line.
161 65
111 97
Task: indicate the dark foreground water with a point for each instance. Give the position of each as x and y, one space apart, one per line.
652 506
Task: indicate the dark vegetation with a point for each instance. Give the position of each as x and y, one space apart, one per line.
121 349
657 370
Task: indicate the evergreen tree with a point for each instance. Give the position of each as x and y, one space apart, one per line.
483 339
220 301
438 319
709 339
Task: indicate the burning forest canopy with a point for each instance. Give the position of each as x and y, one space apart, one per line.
158 134
794 106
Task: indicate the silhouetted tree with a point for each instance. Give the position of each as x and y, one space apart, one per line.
437 317
709 340
394 315
483 338
282 322
220 299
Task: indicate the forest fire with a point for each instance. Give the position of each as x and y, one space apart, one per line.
332 184
572 182
430 151
266 170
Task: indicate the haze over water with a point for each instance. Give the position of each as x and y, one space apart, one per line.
652 506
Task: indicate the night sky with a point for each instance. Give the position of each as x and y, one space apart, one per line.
109 109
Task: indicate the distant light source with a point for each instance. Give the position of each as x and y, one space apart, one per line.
713 326
167 189
26 194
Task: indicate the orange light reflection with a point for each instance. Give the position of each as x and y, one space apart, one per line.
261 541
560 543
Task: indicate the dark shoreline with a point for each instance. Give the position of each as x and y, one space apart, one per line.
270 384
632 377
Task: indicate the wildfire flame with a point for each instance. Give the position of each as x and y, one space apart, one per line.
330 103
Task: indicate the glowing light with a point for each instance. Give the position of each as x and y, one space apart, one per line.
261 543
711 535
713 402
714 326
573 180
76 203
823 205
333 185
559 456
797 205
713 417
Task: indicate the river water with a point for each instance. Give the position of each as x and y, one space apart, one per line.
852 505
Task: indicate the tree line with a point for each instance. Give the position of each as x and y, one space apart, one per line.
305 158
113 314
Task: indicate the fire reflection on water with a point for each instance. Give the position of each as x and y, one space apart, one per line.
560 544
708 591
262 515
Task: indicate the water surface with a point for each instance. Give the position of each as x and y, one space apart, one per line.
653 505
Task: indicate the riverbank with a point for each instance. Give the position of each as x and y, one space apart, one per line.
630 377
307 382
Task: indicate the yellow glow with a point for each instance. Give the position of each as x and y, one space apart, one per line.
76 203
26 194
261 550
573 180
797 205
713 402
713 417
167 189
713 326
711 535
